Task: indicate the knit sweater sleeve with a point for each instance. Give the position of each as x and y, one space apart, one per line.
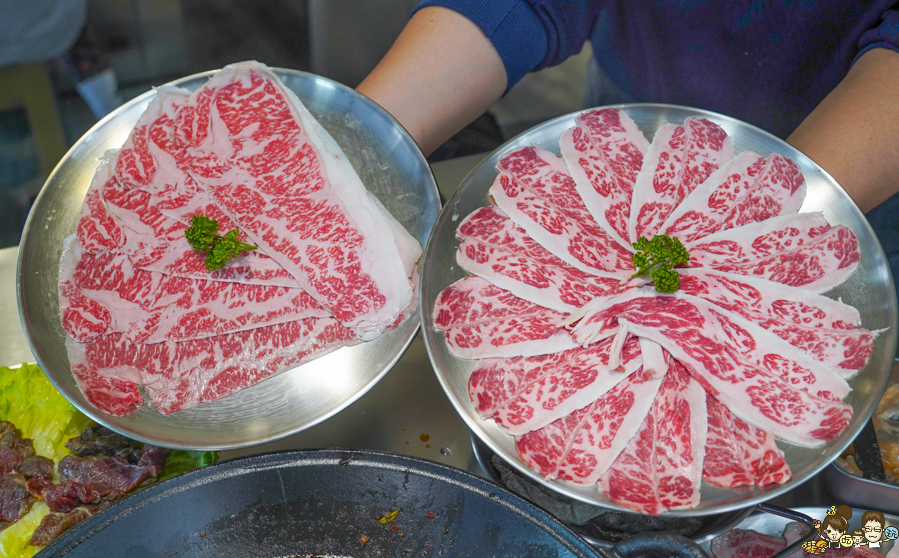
529 34
885 35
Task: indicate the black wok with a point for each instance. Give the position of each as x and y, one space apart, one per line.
327 503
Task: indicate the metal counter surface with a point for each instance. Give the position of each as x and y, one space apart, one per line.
407 412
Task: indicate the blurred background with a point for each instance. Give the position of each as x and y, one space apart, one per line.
110 51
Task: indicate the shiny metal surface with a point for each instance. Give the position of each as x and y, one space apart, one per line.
870 290
391 167
862 492
406 412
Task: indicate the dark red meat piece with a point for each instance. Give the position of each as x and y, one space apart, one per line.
37 466
55 524
10 460
113 472
15 500
68 495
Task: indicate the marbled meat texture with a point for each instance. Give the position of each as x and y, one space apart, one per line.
761 348
140 305
143 180
179 376
747 350
179 196
156 243
745 543
536 191
761 299
800 250
149 307
526 393
494 248
746 189
604 153
581 446
679 159
738 454
483 321
775 398
275 171
822 327
661 467
98 230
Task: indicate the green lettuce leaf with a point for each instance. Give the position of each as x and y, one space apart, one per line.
183 461
31 402
14 540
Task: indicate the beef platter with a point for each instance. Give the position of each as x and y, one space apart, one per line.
102 467
59 468
605 381
330 267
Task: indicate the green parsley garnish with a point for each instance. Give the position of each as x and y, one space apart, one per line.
203 236
657 258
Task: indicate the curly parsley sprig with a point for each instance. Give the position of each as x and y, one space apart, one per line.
657 257
203 236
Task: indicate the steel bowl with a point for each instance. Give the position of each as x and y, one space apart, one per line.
870 290
862 492
390 165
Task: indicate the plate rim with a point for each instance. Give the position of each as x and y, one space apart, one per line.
408 327
432 337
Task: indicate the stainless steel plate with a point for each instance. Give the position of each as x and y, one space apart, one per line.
392 168
859 491
870 290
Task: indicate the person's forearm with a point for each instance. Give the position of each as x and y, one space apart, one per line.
440 74
854 133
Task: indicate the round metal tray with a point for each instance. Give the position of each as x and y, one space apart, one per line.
390 165
870 290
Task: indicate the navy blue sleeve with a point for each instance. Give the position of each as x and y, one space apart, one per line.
529 34
885 35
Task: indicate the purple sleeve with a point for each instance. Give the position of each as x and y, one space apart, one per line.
885 35
528 34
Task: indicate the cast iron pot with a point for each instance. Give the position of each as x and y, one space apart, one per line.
327 503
